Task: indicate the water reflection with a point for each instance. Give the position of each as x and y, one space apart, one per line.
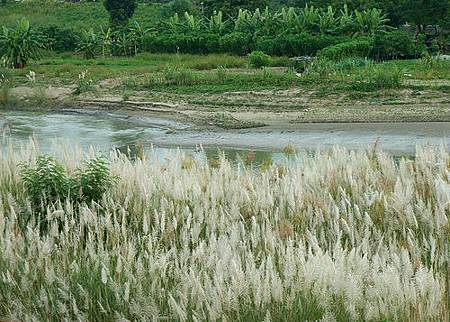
210 155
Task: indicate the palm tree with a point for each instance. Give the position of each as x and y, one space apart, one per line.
19 46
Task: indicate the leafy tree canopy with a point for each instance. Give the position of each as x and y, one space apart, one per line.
120 12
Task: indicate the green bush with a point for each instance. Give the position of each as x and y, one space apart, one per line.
20 45
303 44
94 179
421 47
46 182
393 45
236 43
258 59
354 48
120 11
60 39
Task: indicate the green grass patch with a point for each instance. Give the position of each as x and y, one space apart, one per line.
187 80
77 16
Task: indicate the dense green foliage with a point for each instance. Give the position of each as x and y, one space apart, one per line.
19 45
396 44
120 11
47 181
258 59
294 31
354 48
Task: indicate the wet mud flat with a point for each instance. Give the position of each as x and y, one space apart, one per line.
106 130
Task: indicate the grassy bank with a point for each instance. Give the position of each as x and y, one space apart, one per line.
339 236
170 72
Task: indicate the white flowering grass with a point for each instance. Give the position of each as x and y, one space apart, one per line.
341 236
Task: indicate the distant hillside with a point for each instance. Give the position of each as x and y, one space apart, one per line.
72 15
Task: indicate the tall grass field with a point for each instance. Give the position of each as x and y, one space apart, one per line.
337 236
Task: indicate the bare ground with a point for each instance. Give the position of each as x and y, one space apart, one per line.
277 108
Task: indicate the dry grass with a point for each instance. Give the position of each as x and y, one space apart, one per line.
338 236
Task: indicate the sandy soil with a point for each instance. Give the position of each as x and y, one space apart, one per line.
277 109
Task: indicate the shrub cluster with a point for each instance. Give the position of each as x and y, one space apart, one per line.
47 182
353 48
259 59
397 44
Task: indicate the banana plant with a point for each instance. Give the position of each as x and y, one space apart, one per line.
255 23
242 19
137 34
191 22
124 44
216 23
328 22
346 21
371 22
267 21
173 23
309 18
20 45
106 39
288 20
89 43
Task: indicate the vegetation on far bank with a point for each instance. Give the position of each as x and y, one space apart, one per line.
280 30
198 73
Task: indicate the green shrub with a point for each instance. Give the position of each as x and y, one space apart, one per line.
259 59
120 11
94 179
89 43
46 182
303 44
421 47
236 43
20 45
393 45
60 39
354 48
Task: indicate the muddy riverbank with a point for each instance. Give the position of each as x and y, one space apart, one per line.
117 129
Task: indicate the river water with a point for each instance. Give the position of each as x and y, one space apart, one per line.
106 131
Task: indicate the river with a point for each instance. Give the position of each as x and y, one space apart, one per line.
106 131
